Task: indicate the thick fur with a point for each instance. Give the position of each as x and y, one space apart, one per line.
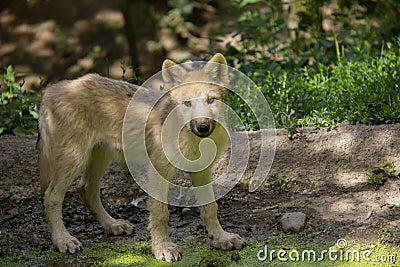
80 129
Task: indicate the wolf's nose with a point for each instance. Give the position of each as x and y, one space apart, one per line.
203 128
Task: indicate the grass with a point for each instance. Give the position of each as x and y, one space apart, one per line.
278 250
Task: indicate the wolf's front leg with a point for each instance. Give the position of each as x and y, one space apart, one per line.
220 239
209 214
161 245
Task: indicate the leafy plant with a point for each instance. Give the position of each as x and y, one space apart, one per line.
135 77
278 35
18 108
383 172
354 92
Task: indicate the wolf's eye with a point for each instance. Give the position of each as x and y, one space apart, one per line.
210 100
187 103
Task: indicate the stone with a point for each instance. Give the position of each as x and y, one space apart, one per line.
186 211
293 221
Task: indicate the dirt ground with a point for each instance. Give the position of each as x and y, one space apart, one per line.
319 171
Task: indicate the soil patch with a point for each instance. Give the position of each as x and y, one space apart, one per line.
319 171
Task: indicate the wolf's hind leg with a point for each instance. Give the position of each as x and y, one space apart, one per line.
89 190
58 177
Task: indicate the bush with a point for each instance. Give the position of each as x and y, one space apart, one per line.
278 35
366 92
353 92
313 75
18 108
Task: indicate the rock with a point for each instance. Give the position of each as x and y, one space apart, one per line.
186 211
190 212
293 221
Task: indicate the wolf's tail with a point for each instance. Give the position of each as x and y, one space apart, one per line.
45 155
38 137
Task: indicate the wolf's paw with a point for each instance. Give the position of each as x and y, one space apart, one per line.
229 241
67 243
166 251
118 227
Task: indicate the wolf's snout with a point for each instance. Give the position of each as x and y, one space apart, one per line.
202 127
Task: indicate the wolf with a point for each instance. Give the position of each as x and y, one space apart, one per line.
80 132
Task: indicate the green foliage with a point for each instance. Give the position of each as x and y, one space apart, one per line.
383 172
352 92
279 35
177 17
312 76
135 78
18 108
259 34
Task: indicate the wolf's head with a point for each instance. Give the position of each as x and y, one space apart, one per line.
198 93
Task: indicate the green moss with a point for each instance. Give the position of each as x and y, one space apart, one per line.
130 252
12 259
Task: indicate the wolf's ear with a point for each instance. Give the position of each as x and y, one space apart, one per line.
171 73
217 69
